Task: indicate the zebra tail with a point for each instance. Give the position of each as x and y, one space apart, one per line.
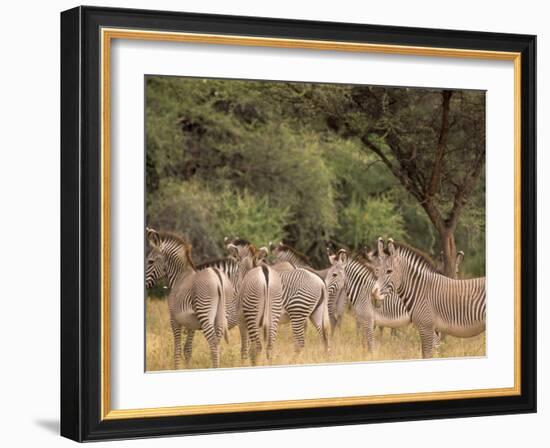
221 316
266 318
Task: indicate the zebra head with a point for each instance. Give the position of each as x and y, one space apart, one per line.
387 276
335 281
440 263
279 251
169 257
239 248
245 254
260 255
154 270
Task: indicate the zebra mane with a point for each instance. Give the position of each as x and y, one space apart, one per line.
418 255
364 262
214 262
172 237
297 253
240 242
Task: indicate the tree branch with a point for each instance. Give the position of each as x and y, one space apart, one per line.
465 190
397 172
441 143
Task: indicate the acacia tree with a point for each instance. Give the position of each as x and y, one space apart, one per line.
433 141
434 144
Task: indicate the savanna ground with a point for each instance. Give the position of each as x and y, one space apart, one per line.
346 345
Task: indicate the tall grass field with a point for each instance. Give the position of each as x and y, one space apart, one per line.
346 344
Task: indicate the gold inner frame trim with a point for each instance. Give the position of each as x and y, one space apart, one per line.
107 35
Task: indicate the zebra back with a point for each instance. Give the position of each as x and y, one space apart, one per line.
283 252
227 265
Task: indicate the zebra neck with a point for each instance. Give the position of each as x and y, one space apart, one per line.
177 276
416 280
359 279
243 267
294 260
322 273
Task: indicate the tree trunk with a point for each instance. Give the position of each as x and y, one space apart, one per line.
448 247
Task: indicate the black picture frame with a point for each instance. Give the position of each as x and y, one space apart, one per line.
81 224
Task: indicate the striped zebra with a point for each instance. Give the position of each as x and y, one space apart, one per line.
359 281
335 281
197 299
229 267
434 301
398 308
288 258
258 292
304 297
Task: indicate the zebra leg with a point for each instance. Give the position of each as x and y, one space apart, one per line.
437 340
370 336
213 343
244 339
176 331
393 332
427 339
367 327
273 329
316 319
255 346
298 325
276 310
188 347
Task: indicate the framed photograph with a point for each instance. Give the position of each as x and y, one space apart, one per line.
277 224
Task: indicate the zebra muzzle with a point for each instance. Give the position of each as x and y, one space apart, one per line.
376 298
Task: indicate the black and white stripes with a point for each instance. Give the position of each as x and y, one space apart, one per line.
197 300
434 301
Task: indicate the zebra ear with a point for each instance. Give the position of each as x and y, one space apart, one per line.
271 245
342 256
369 255
391 247
153 237
459 258
380 247
232 249
226 240
262 253
331 256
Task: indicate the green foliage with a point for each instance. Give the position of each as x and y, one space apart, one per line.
206 217
252 217
187 208
271 161
362 222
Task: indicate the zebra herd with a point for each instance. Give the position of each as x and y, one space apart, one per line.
391 286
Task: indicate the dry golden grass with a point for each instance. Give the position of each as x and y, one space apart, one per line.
345 344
